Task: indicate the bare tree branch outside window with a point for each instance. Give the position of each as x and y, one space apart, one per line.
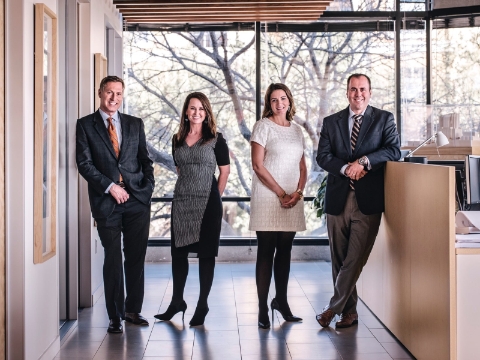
162 68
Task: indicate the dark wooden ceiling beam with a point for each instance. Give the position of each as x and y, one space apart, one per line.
200 12
201 2
226 18
220 19
210 7
203 11
221 6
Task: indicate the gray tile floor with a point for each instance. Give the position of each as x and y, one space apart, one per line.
230 330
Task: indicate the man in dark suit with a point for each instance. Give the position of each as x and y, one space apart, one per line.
112 156
354 146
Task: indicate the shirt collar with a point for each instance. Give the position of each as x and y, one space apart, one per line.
352 114
105 116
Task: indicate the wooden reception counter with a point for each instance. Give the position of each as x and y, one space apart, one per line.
410 281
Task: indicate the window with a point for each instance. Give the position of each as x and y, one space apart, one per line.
314 60
315 66
456 82
162 68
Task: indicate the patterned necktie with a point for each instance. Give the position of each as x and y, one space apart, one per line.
112 132
353 140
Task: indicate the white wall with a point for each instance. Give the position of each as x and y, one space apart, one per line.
32 290
95 16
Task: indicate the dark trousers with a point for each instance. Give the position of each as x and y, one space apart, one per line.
352 235
131 218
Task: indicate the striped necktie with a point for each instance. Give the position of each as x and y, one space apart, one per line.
112 132
353 139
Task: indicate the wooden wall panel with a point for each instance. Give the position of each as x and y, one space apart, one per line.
101 65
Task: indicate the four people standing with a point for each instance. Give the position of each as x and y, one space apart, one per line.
354 146
280 174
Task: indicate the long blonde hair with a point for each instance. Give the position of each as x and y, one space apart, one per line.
209 125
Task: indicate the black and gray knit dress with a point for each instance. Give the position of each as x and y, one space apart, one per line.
197 206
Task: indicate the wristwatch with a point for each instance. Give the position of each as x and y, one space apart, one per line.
363 161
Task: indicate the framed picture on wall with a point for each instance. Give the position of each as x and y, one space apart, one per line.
100 63
45 138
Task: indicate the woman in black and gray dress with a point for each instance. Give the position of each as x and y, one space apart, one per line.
197 207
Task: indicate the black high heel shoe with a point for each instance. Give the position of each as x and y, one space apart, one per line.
286 313
199 316
171 311
263 320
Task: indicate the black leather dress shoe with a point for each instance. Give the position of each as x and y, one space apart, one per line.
136 318
115 326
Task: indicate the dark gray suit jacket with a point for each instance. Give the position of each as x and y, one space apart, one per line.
378 140
97 163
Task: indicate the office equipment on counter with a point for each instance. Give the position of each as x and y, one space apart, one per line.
472 178
440 140
467 222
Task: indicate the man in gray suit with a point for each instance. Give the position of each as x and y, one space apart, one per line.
354 146
112 156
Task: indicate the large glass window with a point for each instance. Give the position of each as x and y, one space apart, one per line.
412 5
362 5
161 69
456 82
315 66
417 121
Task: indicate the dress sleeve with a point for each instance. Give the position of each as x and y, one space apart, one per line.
221 151
173 149
259 133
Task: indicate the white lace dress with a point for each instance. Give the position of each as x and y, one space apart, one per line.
284 147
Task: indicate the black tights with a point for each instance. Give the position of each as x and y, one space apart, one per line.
268 242
180 273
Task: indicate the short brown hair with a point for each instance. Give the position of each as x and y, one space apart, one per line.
111 78
267 108
209 125
358 75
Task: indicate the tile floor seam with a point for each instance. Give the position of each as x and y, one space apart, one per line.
286 344
154 321
236 313
193 345
301 287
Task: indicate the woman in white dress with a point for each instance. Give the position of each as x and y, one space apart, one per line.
277 213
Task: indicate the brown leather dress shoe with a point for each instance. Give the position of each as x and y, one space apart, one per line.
136 318
326 317
347 320
115 326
